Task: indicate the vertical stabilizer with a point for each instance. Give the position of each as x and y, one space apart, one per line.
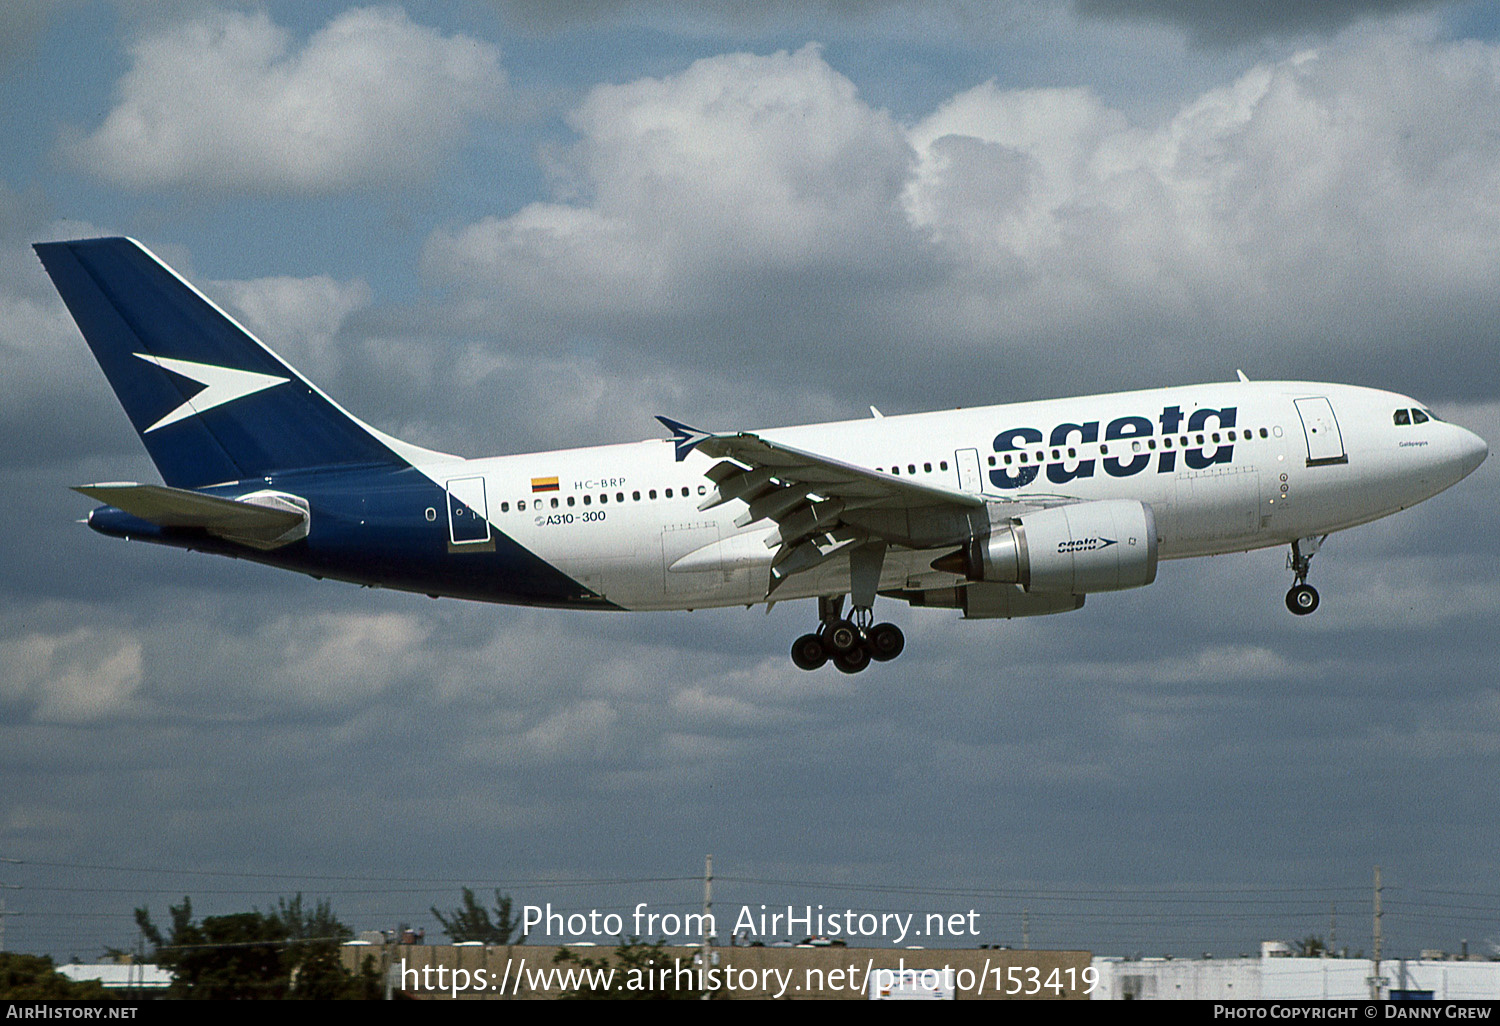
209 400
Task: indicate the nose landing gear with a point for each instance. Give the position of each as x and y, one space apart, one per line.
1303 597
851 644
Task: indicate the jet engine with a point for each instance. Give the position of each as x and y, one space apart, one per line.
1107 545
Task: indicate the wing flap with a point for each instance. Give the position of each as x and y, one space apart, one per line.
809 497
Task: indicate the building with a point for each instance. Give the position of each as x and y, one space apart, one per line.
1279 975
136 979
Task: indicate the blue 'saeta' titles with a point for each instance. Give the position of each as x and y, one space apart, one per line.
1194 457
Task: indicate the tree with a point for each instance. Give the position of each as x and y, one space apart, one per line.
289 953
471 921
311 956
1311 946
34 978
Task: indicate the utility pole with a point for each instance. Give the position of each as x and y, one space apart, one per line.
1375 976
3 915
708 909
1331 951
1025 929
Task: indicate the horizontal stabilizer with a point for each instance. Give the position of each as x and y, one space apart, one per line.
264 520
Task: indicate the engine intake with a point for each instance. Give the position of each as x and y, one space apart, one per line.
1107 545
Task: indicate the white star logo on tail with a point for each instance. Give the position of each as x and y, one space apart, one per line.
223 386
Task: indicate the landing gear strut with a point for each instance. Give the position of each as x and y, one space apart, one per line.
1303 598
851 644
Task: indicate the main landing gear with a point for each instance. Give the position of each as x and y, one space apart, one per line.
850 644
1303 598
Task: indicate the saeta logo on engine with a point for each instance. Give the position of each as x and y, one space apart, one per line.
1084 544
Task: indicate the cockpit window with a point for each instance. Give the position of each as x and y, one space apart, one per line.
1418 417
1403 417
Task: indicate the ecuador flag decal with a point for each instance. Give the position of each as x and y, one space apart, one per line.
543 484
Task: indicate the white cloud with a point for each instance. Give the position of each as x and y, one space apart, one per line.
693 187
228 102
81 676
1342 197
343 658
577 731
1266 203
297 317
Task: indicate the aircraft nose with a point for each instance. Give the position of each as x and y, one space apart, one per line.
1472 451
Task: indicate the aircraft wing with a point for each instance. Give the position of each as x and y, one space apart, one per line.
820 505
264 519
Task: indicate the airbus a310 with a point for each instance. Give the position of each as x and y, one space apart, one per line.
999 511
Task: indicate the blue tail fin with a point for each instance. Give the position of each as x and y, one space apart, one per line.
210 402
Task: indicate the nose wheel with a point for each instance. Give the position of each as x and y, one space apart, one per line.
850 644
1303 597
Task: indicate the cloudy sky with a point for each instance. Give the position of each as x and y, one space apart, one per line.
500 227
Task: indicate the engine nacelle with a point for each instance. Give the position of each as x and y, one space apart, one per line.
1107 545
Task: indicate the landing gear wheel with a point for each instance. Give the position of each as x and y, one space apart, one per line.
841 637
809 652
852 661
886 642
1302 599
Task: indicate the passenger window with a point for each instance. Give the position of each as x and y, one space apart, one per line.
554 502
570 500
1135 446
927 468
1103 450
603 498
651 494
1166 443
1023 457
619 496
586 499
911 468
992 461
1151 444
669 493
1403 418
702 490
505 507
943 465
635 496
1263 432
1072 453
1418 417
1216 438
521 506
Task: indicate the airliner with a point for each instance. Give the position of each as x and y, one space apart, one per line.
1001 511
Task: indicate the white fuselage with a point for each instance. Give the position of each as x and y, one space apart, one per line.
1224 467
